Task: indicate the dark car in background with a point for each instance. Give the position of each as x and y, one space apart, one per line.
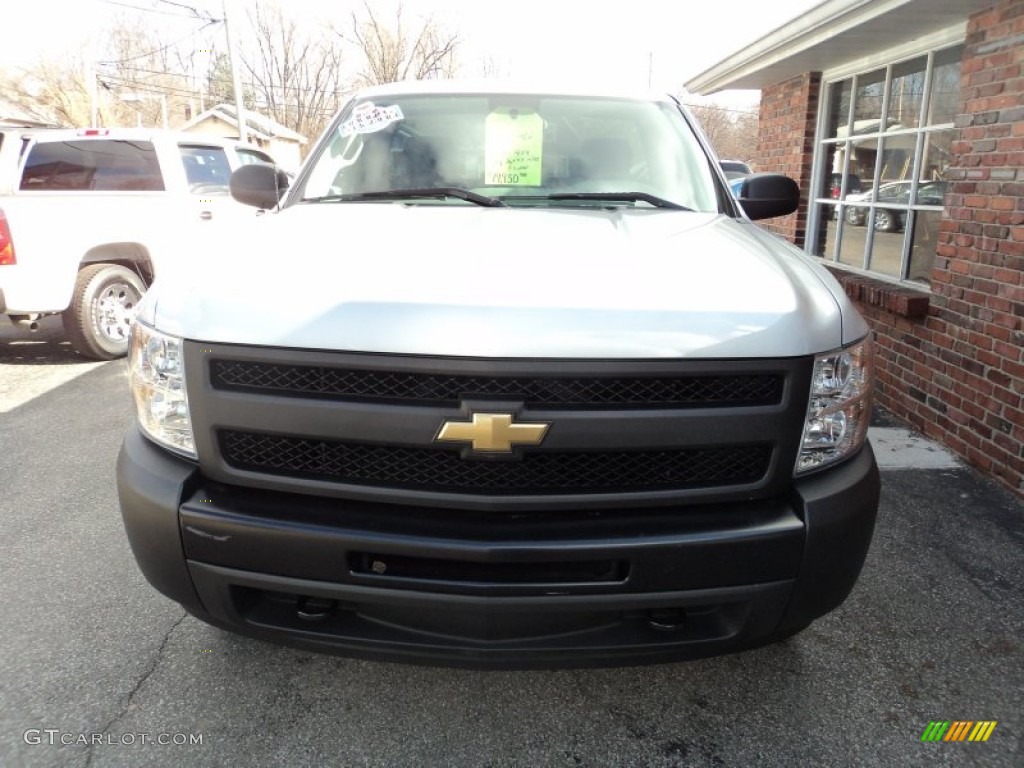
735 169
898 192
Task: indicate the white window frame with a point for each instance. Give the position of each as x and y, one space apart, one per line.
819 197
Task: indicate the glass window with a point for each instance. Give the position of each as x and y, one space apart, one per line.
105 165
937 154
868 105
521 148
206 168
883 181
906 95
824 243
839 109
250 156
851 246
945 92
923 236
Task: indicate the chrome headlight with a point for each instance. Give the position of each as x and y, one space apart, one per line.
839 408
156 373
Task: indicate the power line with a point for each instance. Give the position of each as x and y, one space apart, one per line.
162 48
198 14
154 10
227 82
185 93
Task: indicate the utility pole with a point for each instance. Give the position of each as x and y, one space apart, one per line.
236 76
94 98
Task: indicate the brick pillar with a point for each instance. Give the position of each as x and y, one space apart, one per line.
974 333
786 143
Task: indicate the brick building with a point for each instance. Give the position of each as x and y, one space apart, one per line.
903 122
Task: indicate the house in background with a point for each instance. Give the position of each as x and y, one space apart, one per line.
903 122
281 143
14 114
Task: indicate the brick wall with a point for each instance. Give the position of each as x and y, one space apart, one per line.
972 339
951 362
786 143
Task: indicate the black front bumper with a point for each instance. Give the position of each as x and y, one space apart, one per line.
529 588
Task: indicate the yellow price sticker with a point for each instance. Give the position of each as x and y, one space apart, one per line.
514 148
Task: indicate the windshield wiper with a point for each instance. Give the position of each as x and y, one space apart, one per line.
409 194
619 197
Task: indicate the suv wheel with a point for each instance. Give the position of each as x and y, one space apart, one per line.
102 309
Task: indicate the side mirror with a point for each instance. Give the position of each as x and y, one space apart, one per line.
762 195
259 185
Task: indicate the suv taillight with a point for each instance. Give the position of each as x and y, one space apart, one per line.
6 243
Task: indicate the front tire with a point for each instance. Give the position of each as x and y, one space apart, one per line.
102 309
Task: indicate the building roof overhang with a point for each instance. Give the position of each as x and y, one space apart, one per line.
830 35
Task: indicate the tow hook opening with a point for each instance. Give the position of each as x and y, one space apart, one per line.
666 619
315 608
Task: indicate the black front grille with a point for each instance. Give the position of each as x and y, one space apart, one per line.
691 390
538 472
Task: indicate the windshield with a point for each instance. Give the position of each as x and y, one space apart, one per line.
516 149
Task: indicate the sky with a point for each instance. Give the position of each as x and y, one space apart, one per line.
622 44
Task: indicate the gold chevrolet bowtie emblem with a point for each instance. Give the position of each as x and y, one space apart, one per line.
492 433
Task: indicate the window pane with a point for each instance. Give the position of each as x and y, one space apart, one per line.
898 158
868 107
101 165
250 156
887 247
516 146
937 154
925 229
862 161
824 244
835 168
851 246
839 109
906 94
945 93
207 170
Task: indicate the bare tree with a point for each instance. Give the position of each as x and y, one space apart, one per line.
399 50
295 71
144 76
53 89
128 85
733 133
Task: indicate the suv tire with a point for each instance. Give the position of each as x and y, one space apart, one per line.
101 311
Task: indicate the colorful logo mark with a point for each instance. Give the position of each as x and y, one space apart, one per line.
958 730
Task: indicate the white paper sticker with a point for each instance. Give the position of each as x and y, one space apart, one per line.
368 118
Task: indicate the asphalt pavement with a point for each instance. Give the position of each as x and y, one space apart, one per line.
98 668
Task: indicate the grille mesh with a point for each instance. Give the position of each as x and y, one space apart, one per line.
635 391
540 472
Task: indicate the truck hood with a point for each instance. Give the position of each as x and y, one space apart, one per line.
501 282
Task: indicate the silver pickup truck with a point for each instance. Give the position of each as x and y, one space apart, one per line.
503 379
87 216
